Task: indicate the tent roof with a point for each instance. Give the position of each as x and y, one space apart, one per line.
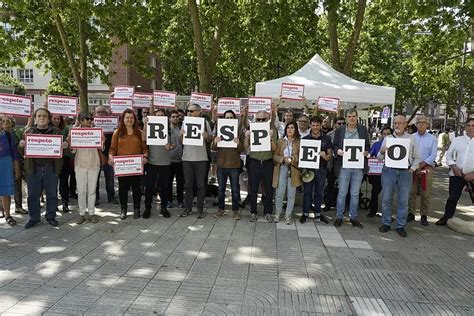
320 79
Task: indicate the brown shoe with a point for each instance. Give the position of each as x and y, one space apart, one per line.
81 219
219 213
236 215
94 219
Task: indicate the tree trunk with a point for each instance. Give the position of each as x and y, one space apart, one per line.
217 40
83 53
198 44
351 48
412 116
332 6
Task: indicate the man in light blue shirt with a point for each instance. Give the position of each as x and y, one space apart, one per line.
428 148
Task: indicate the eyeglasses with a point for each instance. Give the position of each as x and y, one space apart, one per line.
191 111
174 116
302 121
87 118
260 119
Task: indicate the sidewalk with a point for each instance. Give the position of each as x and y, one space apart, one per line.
185 266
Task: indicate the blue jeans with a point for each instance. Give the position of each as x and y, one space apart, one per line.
109 182
399 182
284 184
233 175
314 191
349 177
42 177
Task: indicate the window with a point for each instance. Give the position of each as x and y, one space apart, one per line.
25 75
8 72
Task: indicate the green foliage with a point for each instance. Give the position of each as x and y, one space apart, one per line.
6 80
62 87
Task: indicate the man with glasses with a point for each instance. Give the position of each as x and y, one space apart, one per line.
108 169
398 181
176 161
375 180
195 160
423 176
303 125
329 197
260 166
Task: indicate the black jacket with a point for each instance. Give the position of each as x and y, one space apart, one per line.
339 144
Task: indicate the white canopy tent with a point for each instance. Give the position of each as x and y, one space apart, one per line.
321 80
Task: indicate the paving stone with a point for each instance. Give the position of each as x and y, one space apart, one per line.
359 244
369 306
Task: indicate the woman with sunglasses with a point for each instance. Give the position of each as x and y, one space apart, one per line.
286 175
127 140
87 166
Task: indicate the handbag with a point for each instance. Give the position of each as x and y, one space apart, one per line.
103 160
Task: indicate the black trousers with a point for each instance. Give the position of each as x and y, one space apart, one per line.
125 183
456 186
176 169
376 182
195 176
153 174
67 179
261 171
330 197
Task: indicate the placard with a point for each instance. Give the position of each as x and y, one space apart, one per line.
128 165
85 137
328 104
227 130
257 104
226 104
310 156
124 92
157 130
193 131
292 91
43 146
260 139
61 105
108 123
385 115
142 100
397 152
117 106
375 166
353 154
204 100
16 105
164 99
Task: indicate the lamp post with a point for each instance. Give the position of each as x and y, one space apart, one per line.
461 90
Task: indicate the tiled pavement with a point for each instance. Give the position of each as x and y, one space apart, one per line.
185 266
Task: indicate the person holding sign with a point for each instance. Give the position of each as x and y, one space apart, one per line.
42 173
159 162
87 165
428 148
195 160
228 163
126 141
461 173
286 175
375 180
397 180
349 177
314 189
260 166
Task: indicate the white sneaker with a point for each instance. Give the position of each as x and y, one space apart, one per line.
288 219
276 218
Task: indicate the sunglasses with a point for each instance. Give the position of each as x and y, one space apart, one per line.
260 120
191 111
174 116
340 123
87 118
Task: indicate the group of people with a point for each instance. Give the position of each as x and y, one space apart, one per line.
273 171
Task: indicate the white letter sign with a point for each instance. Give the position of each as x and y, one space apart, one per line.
124 92
117 106
257 104
107 123
227 131
204 100
396 155
61 105
16 105
128 165
142 100
328 104
85 137
260 139
353 153
309 153
193 131
157 130
164 99
43 146
225 104
292 91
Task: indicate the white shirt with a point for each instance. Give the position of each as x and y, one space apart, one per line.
460 153
303 134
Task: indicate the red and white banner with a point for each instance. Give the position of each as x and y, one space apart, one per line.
124 92
85 137
226 104
62 105
204 100
16 105
107 123
128 165
142 100
43 146
164 99
375 166
328 104
257 104
117 106
292 91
